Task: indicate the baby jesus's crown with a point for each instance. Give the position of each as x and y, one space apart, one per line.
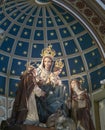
48 52
59 63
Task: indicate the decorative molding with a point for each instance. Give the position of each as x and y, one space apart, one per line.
91 15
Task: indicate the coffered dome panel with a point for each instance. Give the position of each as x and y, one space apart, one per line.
31 25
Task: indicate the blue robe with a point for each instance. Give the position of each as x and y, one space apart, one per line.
53 101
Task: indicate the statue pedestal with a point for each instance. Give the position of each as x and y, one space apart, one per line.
26 127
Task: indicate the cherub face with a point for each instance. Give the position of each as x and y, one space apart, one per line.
58 71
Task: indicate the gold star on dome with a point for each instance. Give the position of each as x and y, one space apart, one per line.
14 29
58 20
2 58
25 33
8 49
99 73
30 20
35 46
75 61
20 44
66 43
74 71
38 34
6 39
24 52
22 17
1 90
93 54
67 17
76 50
19 63
16 85
80 39
13 71
59 53
90 64
39 21
49 21
52 34
11 93
63 73
5 23
74 27
14 14
3 69
82 68
64 31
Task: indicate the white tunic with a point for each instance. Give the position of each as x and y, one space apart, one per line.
42 74
31 104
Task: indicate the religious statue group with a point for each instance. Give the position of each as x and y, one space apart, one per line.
40 98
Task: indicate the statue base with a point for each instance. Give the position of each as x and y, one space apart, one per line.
26 127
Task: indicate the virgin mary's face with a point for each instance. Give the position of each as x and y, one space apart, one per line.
47 62
75 84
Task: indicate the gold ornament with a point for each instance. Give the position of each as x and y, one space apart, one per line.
48 52
59 63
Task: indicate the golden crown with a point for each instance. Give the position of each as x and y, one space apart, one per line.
59 63
48 52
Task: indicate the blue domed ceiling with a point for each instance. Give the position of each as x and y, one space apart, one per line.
29 27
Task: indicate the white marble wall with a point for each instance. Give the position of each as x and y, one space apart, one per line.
5 107
102 114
